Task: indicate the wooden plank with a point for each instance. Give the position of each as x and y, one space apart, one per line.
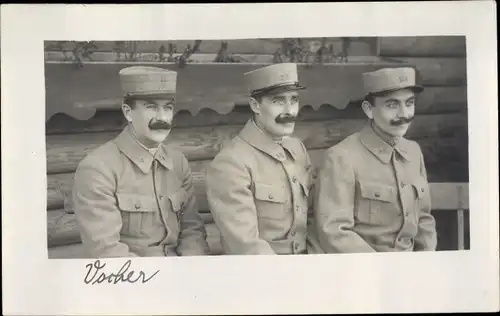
74 91
112 119
450 196
65 242
438 71
460 229
360 46
423 46
60 185
434 100
62 227
64 152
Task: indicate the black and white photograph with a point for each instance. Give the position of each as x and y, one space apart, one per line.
250 158
256 146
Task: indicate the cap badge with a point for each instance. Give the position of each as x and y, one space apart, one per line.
403 78
284 77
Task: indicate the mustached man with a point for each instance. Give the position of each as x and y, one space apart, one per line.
258 185
372 193
133 196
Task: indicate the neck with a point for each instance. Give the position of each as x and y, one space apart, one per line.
149 145
263 131
389 139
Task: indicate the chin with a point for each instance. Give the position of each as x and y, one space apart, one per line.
159 136
287 129
400 132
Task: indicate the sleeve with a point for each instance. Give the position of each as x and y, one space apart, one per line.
426 239
193 235
98 218
232 205
334 207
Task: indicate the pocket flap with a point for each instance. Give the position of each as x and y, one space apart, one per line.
269 192
178 198
420 188
376 191
135 202
305 183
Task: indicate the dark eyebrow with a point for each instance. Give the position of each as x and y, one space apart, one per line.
391 100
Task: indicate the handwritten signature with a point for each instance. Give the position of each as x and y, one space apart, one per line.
115 278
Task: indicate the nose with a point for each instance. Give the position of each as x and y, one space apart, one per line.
162 114
404 111
291 108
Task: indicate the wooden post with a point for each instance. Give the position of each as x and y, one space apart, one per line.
460 219
460 229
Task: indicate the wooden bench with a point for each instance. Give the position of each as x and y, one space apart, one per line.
65 241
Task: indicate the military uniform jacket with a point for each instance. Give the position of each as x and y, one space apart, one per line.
373 197
258 194
129 203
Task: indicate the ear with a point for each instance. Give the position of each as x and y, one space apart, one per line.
254 105
368 109
126 109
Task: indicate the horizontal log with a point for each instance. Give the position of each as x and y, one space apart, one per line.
62 227
360 46
438 71
64 152
434 100
445 161
77 91
433 71
62 230
423 46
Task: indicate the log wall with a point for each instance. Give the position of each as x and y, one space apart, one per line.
440 126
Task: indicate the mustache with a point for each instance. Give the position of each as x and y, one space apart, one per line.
285 119
401 121
155 125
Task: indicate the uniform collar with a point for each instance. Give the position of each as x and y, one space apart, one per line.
380 148
138 154
254 136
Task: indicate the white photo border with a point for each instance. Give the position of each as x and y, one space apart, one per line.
352 283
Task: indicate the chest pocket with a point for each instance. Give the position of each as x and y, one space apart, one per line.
269 200
377 204
138 213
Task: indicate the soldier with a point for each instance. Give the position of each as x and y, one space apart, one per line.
258 185
133 196
372 191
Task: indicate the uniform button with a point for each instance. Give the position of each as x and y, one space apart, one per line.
377 195
271 197
422 189
406 214
137 205
294 179
293 234
161 197
141 159
402 185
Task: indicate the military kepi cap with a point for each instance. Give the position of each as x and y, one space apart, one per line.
390 79
273 79
139 81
